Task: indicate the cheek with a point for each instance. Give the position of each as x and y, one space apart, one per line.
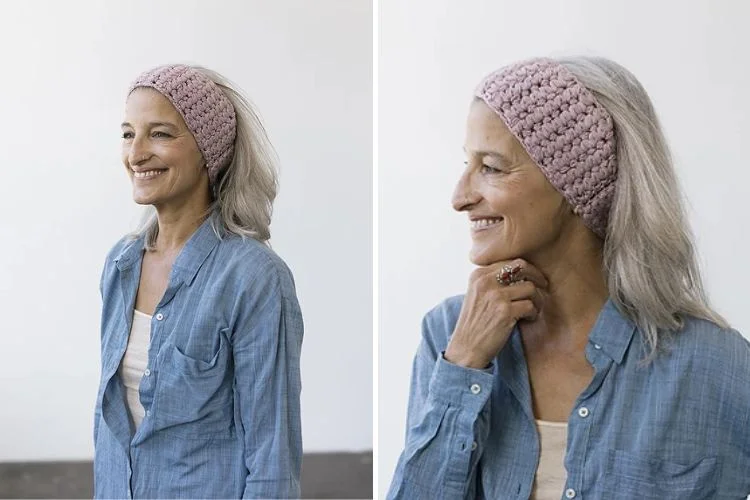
184 154
508 199
528 208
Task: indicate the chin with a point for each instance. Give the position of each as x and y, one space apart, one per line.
488 256
481 259
142 199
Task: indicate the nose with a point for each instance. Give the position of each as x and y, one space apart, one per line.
138 151
465 195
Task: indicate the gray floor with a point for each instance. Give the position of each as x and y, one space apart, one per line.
324 475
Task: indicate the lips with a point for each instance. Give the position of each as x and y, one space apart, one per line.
480 224
148 174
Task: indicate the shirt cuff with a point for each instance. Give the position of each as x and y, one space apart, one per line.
460 386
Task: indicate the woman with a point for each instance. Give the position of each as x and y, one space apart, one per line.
583 360
201 329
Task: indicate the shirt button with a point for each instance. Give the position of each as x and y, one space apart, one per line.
148 413
570 493
159 317
147 372
473 445
475 389
597 346
583 412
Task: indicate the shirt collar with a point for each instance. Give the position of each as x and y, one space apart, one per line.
130 253
612 332
190 258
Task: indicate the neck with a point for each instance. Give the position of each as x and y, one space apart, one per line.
176 226
576 294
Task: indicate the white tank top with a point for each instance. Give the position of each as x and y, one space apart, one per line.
134 363
551 475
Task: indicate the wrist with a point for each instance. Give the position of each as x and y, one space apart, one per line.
464 358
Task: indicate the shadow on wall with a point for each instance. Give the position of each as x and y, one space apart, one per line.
324 475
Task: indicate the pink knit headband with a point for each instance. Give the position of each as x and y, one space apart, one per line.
207 112
564 129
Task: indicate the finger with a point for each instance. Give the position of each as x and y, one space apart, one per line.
520 270
518 291
524 290
537 299
523 309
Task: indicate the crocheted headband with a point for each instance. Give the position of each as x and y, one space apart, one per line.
207 112
564 129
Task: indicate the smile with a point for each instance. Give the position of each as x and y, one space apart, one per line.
480 224
147 174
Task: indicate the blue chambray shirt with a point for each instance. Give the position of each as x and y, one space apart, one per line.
678 428
222 388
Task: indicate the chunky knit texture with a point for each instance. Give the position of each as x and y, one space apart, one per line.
207 112
564 129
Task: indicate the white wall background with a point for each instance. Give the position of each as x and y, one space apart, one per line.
690 56
65 198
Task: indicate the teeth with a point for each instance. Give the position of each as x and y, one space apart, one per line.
147 173
481 223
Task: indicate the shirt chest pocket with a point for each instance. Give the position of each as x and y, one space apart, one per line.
194 397
629 475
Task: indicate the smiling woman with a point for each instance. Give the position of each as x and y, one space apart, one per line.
201 330
156 141
512 207
584 359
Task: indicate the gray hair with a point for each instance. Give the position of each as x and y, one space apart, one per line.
243 193
649 254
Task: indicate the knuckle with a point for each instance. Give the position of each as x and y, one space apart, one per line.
503 309
520 262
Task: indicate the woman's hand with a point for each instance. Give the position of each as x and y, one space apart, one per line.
491 309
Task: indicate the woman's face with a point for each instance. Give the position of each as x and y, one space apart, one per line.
513 209
159 152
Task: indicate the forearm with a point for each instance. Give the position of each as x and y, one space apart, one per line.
276 488
269 387
447 429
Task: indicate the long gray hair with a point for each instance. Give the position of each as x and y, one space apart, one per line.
243 194
649 254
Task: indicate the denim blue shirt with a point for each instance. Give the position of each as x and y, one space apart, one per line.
222 388
677 428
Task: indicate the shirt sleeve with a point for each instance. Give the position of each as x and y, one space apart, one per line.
97 411
266 348
733 385
447 424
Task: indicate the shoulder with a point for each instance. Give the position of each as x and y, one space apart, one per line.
254 264
721 365
440 321
711 345
720 357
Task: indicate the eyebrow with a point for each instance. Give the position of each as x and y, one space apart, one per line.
152 125
491 153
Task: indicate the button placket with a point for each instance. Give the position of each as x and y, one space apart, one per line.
580 429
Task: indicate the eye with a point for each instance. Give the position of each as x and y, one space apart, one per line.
127 135
486 169
161 134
